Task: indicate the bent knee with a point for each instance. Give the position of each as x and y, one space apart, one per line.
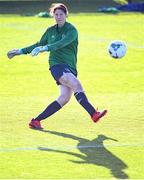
77 86
68 79
63 99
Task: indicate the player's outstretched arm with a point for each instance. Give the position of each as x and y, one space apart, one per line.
13 53
38 50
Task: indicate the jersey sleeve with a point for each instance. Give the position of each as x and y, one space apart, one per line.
43 41
68 38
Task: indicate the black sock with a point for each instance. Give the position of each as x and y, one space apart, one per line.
82 99
51 109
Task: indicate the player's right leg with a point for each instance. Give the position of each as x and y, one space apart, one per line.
65 95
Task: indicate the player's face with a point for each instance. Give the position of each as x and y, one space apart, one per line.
60 17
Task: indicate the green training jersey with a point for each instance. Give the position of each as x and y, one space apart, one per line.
62 44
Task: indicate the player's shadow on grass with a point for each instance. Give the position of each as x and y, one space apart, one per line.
93 152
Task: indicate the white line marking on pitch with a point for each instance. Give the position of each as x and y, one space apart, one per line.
69 147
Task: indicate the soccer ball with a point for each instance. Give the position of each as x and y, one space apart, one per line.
117 49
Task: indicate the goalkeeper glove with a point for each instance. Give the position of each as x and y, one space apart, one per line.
14 52
39 49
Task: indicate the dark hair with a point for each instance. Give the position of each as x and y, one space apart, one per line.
56 6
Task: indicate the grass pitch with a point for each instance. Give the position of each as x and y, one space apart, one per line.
71 145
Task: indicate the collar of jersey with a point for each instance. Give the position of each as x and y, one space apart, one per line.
59 29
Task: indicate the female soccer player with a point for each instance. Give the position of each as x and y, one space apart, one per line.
61 40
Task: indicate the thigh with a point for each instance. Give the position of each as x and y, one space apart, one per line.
69 80
65 91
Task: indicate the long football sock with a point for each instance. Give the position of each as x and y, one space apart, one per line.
82 99
51 109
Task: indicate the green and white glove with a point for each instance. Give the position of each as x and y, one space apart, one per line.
38 50
14 52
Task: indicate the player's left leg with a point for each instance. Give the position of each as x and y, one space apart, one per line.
65 95
68 79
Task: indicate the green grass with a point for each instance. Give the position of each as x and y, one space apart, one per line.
26 88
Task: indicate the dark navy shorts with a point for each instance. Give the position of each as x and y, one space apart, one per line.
58 70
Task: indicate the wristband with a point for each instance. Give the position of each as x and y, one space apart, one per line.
20 51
